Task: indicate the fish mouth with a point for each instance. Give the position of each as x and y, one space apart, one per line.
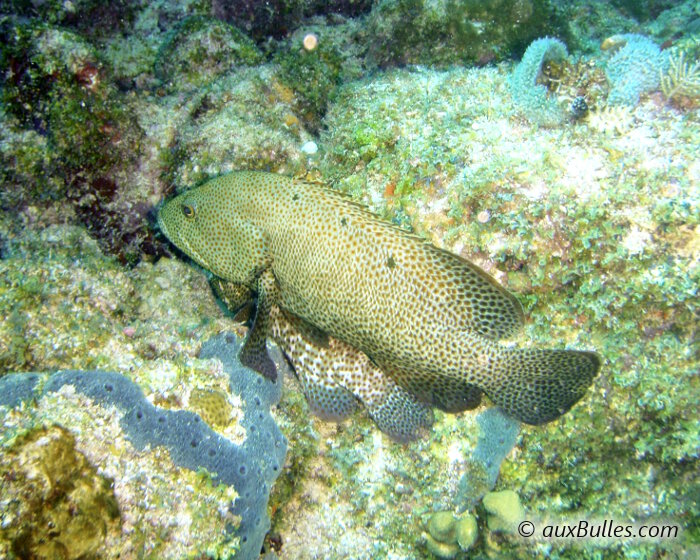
159 220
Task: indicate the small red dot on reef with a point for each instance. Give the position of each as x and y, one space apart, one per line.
129 331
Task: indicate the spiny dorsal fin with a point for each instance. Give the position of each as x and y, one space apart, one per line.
361 208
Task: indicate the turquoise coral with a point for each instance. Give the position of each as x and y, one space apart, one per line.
533 99
634 68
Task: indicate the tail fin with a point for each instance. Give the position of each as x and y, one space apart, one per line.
538 386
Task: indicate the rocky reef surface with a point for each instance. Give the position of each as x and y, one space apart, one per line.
571 183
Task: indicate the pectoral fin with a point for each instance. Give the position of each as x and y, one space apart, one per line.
254 352
234 296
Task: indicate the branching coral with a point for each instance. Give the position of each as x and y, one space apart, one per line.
681 79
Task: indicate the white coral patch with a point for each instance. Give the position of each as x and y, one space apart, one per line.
636 240
585 173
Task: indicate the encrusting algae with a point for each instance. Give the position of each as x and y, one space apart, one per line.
428 319
56 505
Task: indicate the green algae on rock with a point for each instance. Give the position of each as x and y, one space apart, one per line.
314 76
59 314
68 305
198 49
61 89
88 147
244 116
449 32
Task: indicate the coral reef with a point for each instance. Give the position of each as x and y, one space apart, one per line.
682 80
313 75
88 16
86 305
58 87
448 32
644 9
557 217
276 18
587 222
75 136
505 510
163 510
198 49
448 535
246 119
250 467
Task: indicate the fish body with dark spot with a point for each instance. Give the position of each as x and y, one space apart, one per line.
430 320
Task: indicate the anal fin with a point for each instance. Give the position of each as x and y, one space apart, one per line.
308 351
338 378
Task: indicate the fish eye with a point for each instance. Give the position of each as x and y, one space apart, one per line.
188 210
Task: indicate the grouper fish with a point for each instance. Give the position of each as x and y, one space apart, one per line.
428 320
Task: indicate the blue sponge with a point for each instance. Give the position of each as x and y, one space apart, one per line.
16 388
498 434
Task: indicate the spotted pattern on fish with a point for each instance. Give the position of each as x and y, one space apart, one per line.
428 319
335 377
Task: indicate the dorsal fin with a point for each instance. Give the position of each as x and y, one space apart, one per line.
363 210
